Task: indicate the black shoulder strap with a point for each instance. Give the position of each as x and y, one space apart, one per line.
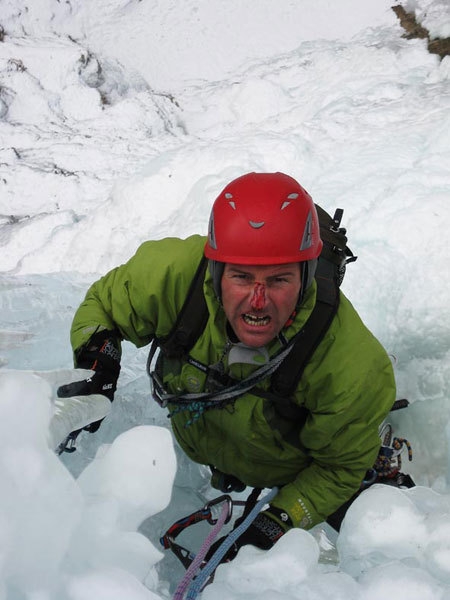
286 378
329 274
191 320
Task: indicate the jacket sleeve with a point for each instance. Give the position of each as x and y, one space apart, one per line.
349 390
141 298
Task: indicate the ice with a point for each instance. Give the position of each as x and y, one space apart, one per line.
136 473
120 121
108 584
55 527
40 502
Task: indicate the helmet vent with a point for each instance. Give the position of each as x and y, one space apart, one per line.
263 219
229 197
212 234
307 234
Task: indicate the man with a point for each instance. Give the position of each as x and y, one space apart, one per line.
262 247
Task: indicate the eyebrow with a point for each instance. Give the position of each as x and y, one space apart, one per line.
244 271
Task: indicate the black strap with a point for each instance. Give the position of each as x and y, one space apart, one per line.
286 378
191 320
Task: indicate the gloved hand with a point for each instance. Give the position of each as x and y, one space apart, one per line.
263 533
101 354
225 483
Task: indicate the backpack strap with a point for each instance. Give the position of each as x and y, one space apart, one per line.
286 378
329 274
191 319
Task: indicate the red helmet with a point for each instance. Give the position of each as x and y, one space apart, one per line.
263 219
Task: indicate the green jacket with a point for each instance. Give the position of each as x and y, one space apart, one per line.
348 386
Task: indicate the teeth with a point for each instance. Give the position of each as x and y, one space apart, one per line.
254 320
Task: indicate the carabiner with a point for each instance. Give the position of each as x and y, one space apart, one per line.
225 498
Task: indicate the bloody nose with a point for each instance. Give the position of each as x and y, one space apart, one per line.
259 296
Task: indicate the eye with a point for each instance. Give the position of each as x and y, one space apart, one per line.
279 281
241 276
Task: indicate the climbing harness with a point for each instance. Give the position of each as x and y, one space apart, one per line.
199 571
199 402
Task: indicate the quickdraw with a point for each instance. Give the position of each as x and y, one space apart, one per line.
184 555
389 462
199 571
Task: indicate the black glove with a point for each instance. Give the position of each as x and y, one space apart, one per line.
225 483
262 533
102 355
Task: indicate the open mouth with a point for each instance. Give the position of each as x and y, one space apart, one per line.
255 320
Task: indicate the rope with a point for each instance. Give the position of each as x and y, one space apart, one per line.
214 562
185 401
195 564
198 403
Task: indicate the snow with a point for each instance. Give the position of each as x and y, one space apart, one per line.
120 120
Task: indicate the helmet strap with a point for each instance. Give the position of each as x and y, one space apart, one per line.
291 319
307 272
216 269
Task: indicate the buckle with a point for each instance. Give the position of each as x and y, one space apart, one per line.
158 391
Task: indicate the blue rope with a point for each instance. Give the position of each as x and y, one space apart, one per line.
214 562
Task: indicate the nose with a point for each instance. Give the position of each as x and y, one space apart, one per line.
258 299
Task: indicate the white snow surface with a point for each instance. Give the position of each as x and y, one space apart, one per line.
120 121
